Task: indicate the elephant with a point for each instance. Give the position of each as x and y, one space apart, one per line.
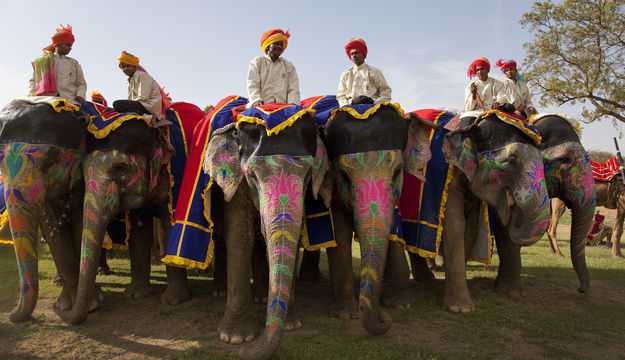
267 174
42 150
498 163
568 176
123 172
610 195
368 160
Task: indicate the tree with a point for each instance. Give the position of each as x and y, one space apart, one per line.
578 55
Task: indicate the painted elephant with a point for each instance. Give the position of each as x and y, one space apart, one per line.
610 195
125 171
498 163
569 177
270 174
368 160
42 149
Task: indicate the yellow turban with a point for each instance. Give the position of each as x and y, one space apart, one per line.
128 58
273 36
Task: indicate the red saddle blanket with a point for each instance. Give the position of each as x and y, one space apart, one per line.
604 171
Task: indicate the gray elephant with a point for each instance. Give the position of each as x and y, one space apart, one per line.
569 177
125 171
368 160
42 149
260 171
497 162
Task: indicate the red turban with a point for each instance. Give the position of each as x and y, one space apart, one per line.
273 36
483 62
506 64
358 44
63 35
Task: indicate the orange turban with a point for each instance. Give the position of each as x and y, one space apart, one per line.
273 36
63 35
97 97
478 62
358 44
128 58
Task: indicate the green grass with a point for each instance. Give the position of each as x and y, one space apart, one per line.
551 321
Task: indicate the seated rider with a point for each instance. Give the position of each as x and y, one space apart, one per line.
271 78
144 93
481 93
515 90
68 80
362 83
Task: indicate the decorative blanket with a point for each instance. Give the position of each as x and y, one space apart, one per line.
364 111
517 121
605 171
323 106
422 205
189 243
103 120
274 117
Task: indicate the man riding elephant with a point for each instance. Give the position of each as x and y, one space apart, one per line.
362 83
270 77
481 93
144 93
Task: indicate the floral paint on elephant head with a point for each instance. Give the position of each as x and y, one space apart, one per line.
568 173
280 181
373 190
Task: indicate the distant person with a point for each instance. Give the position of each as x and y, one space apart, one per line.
599 231
144 93
483 91
361 83
271 78
515 90
55 73
98 98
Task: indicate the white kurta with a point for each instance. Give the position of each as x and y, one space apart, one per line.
362 80
70 79
517 93
144 89
272 81
488 92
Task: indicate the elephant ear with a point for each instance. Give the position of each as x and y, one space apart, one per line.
417 152
460 152
222 162
321 178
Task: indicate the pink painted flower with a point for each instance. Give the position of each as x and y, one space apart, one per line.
373 197
284 191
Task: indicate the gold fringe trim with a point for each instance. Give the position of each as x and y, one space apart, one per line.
506 118
6 242
4 218
276 130
367 113
443 208
63 105
103 133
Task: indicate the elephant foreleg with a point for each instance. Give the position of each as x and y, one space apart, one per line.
457 296
618 231
238 325
140 246
557 210
340 263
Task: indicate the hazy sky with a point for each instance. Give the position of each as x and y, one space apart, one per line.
199 50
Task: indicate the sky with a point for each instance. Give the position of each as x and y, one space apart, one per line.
199 50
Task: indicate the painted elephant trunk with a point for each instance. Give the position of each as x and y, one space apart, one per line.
372 217
581 222
280 189
100 203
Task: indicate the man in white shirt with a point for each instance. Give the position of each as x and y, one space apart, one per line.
515 90
482 92
362 83
68 80
144 93
271 78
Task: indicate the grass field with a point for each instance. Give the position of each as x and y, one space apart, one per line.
551 321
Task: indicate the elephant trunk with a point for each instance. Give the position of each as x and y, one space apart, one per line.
373 212
280 189
100 203
581 222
